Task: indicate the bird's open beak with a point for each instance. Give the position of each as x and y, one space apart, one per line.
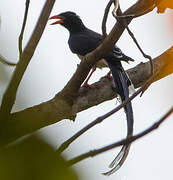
57 17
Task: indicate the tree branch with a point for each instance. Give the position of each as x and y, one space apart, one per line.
104 33
23 26
122 142
56 109
4 61
96 121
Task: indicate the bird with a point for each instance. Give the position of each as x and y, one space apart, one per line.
83 40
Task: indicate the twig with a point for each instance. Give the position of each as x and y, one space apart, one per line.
116 4
107 9
149 81
4 61
105 18
96 121
10 94
23 27
122 142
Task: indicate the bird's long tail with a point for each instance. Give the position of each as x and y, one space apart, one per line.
122 83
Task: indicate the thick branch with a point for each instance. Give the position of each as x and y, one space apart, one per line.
55 110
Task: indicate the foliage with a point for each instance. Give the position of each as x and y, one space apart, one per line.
32 158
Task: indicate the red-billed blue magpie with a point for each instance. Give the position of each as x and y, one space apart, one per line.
82 41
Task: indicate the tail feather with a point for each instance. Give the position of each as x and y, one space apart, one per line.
127 59
115 165
121 82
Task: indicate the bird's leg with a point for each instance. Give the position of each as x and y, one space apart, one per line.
86 81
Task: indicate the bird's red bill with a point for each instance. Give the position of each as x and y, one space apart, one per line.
56 17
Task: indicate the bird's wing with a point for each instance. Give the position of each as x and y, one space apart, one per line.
117 54
84 42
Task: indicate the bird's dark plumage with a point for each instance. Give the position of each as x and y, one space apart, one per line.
82 41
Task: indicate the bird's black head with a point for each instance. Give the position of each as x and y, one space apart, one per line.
69 20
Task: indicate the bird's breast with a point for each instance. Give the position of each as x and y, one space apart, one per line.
100 64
